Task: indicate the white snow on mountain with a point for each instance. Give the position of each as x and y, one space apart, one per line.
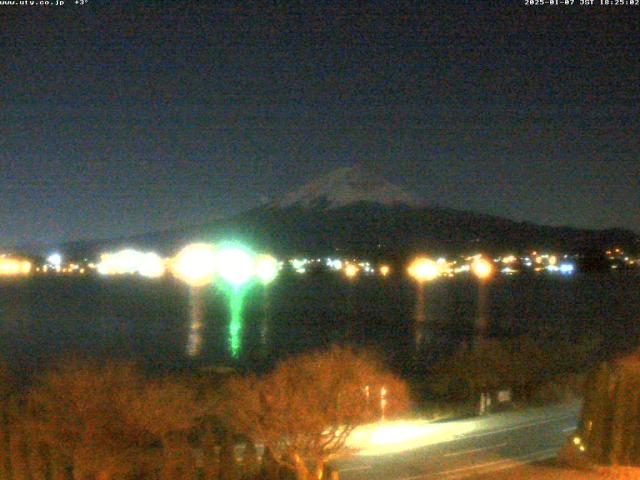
346 186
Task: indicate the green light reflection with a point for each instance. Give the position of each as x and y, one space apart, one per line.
236 303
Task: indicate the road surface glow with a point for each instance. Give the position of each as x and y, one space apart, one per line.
475 450
403 435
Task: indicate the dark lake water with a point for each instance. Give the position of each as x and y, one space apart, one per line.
146 320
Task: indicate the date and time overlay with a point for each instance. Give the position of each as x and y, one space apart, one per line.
582 3
528 3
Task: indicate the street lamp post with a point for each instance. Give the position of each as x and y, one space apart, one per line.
422 270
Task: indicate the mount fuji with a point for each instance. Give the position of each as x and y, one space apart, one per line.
346 186
355 212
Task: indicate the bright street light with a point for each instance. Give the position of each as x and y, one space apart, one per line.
235 265
351 270
195 264
55 260
482 268
424 269
151 265
266 268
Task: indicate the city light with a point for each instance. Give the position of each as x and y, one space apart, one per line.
126 262
423 269
334 264
567 268
482 268
55 261
235 265
10 266
299 265
195 264
150 265
365 267
351 270
118 263
266 268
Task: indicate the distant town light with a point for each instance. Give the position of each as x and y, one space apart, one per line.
266 268
351 270
150 266
482 268
299 265
10 266
424 269
195 264
567 268
55 260
235 265
127 261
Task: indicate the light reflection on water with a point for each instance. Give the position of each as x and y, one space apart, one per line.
147 320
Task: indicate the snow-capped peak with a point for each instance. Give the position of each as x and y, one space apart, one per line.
345 186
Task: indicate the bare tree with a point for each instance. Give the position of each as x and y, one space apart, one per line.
109 420
78 411
5 432
305 410
168 409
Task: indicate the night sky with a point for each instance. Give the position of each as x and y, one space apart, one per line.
132 117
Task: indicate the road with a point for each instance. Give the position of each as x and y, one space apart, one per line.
470 448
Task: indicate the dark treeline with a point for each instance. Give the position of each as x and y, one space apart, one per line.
543 369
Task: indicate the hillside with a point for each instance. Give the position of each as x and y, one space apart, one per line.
353 211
